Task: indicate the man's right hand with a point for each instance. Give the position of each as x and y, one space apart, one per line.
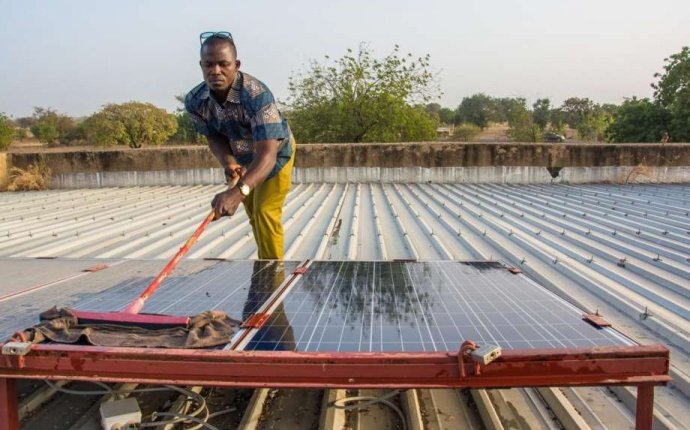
233 173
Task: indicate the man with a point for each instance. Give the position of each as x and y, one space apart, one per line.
238 115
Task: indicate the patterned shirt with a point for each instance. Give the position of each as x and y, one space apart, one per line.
248 115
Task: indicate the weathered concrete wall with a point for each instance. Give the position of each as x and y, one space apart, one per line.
472 174
118 160
403 162
4 170
375 155
492 154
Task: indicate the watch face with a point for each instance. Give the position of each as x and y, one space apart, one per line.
244 189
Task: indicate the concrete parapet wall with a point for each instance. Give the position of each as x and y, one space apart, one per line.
4 171
402 162
501 174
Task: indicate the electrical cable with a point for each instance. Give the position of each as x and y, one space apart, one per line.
368 401
180 418
191 395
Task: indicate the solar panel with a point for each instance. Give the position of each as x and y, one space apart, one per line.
239 288
422 306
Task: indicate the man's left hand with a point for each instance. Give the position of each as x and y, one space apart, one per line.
226 203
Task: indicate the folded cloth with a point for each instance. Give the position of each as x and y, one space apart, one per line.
206 330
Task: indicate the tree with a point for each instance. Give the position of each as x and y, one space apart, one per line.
522 125
557 122
575 109
433 108
50 126
639 120
508 109
359 98
6 131
593 125
132 124
446 116
476 109
588 118
185 127
466 132
541 112
672 92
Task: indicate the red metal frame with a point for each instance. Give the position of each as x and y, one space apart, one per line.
642 366
629 365
9 414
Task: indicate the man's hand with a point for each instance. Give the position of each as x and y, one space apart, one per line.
233 173
226 203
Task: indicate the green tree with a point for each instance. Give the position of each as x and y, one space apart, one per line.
557 122
446 116
52 127
466 132
639 120
575 109
541 112
6 131
672 92
476 109
508 109
593 126
359 98
522 125
133 124
186 133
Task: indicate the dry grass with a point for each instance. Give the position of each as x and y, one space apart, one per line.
33 178
637 171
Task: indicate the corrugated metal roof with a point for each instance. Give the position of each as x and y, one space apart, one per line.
621 249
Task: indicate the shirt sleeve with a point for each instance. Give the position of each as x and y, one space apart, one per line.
198 121
267 122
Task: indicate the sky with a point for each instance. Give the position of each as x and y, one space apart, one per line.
76 56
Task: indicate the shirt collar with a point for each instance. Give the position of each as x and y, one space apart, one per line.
233 94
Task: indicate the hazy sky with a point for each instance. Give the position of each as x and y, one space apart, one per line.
76 56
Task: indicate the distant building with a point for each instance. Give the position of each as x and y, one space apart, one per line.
444 131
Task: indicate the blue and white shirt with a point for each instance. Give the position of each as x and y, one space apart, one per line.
248 115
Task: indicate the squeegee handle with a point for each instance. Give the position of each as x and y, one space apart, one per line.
138 303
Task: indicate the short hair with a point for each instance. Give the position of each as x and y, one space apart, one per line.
216 39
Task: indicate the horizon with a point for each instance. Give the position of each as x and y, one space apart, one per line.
148 52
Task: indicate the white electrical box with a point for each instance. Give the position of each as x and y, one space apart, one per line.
120 414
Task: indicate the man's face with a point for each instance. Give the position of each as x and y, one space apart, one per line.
219 65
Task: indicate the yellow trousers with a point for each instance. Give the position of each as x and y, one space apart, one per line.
264 207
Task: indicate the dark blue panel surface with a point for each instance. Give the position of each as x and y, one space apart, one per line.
422 306
239 288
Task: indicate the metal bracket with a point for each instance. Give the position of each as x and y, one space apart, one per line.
96 268
256 320
300 270
596 320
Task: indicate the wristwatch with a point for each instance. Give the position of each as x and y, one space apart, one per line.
244 188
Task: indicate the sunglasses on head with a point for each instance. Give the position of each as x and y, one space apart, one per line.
221 34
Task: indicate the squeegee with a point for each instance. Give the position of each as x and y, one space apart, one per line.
130 315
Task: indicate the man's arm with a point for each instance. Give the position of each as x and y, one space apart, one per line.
265 160
227 202
219 146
